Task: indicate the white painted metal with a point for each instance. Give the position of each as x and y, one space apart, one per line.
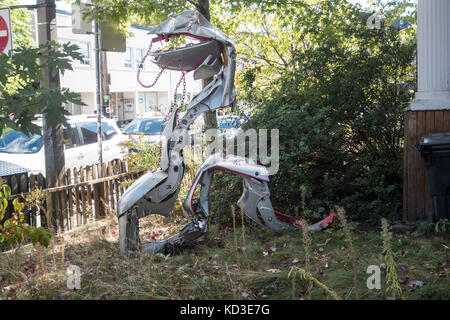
433 56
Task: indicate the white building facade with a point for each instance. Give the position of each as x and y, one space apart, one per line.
127 97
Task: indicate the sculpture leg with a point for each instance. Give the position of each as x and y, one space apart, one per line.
191 231
129 232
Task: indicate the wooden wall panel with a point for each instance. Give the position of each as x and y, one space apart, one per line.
417 204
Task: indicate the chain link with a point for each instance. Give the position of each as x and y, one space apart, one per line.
141 65
182 78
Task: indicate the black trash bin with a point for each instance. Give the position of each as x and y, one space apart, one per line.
435 150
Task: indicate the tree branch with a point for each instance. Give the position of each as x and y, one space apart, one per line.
264 26
194 4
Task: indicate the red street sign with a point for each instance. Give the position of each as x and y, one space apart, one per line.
4 34
5 31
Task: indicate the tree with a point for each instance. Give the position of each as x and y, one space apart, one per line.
209 116
21 101
269 34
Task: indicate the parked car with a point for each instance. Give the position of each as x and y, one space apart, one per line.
80 142
150 127
229 125
122 124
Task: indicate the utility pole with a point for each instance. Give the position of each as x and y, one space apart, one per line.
53 135
105 84
99 76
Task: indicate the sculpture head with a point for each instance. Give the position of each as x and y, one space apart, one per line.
213 56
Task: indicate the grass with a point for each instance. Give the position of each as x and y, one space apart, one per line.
229 265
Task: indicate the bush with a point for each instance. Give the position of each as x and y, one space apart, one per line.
141 154
340 116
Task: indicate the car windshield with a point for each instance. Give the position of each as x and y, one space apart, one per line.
145 126
18 142
227 123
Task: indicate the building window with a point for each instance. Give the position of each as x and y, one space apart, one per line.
128 58
85 50
139 56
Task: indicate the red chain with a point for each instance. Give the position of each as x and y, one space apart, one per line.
182 78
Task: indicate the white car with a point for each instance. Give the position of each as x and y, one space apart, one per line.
81 148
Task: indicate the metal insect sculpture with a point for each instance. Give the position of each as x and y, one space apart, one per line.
156 191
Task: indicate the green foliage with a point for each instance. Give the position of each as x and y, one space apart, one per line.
339 108
442 226
226 190
14 230
142 155
392 283
134 11
21 97
308 276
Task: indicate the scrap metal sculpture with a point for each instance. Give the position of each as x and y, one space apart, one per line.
156 192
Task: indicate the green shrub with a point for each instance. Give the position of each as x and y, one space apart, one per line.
339 110
141 155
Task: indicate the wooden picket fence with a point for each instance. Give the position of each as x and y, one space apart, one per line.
84 196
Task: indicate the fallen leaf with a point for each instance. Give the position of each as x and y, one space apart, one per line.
10 288
415 283
65 295
274 270
24 277
325 243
